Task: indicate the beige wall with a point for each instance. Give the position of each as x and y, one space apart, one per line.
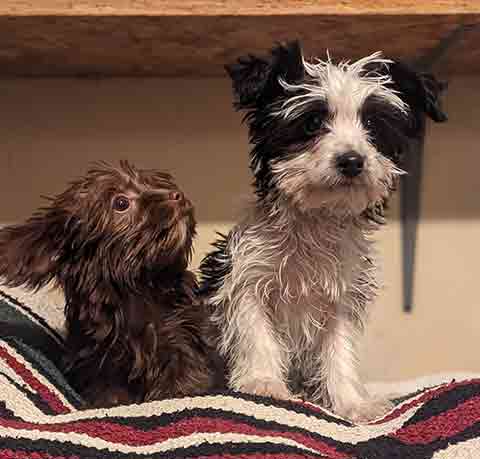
51 129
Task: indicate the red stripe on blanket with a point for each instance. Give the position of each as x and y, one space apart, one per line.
444 425
425 397
46 394
10 454
128 435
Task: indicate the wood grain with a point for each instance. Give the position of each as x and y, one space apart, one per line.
235 7
199 45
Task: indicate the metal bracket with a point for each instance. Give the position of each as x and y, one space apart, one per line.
410 187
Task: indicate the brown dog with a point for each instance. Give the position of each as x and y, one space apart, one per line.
118 242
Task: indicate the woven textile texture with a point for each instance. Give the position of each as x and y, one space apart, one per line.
40 416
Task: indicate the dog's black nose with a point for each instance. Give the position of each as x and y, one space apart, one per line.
350 164
175 196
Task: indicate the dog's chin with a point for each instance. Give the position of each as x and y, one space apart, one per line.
182 224
345 199
170 259
178 239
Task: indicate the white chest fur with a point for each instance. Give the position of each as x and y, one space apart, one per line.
297 269
293 280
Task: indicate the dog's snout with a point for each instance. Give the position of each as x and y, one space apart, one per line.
175 196
165 196
350 164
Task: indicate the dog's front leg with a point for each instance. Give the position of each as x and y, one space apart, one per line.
344 390
254 350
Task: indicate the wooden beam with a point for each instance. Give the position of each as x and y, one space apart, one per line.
195 39
235 7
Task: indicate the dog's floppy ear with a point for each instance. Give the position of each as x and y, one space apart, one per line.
256 80
421 91
29 252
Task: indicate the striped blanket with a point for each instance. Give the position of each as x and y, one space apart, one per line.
39 416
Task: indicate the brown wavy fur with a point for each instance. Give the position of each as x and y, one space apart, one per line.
135 328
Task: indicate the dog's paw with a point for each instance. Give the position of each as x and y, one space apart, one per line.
266 388
364 411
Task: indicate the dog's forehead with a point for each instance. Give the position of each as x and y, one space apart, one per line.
146 180
341 85
155 179
126 178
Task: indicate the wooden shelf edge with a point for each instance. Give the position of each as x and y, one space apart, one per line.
235 7
199 46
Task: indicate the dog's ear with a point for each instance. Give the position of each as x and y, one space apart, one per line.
256 79
421 91
29 252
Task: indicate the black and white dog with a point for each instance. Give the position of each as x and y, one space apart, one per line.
291 282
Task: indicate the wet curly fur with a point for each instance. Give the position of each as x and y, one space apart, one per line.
118 242
292 282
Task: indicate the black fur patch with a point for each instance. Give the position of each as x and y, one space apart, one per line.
421 92
256 79
388 128
215 266
257 89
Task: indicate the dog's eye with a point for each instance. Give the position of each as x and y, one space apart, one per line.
370 125
121 203
369 121
313 123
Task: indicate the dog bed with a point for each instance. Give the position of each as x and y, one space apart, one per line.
39 415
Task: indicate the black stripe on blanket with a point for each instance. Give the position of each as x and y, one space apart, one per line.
297 407
33 397
31 314
204 449
44 367
446 401
390 448
148 424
